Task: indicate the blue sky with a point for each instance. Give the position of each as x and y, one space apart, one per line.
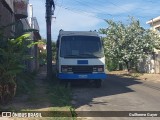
85 15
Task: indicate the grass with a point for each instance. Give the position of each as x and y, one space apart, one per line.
25 83
60 97
133 74
136 74
48 95
58 94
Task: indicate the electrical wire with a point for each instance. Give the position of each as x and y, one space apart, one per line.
59 8
104 2
80 12
97 13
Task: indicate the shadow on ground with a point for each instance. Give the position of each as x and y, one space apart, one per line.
84 91
84 94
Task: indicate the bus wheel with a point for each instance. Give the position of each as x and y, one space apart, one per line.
63 82
67 84
98 83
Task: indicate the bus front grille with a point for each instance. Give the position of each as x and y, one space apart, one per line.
82 69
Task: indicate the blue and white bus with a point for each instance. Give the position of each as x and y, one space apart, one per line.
80 56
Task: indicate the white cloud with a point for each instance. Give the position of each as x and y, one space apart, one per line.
71 21
67 20
79 20
117 9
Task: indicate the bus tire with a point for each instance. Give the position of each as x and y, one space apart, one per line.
98 83
63 82
66 84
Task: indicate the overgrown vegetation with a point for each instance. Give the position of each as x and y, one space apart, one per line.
111 64
25 83
14 52
43 53
57 98
60 96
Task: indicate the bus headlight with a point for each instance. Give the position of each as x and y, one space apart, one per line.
64 68
100 69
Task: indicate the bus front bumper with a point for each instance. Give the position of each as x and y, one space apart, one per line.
81 76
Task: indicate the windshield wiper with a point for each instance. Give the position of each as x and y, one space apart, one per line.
81 55
70 56
88 54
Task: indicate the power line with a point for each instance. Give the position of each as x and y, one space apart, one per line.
98 13
59 8
86 13
93 8
89 5
80 12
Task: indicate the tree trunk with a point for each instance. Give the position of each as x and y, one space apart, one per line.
120 66
7 92
128 65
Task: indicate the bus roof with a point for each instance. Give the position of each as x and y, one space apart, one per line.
74 33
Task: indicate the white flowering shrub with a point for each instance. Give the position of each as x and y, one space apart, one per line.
128 43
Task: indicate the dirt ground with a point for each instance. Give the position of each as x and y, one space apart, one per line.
150 77
141 76
39 100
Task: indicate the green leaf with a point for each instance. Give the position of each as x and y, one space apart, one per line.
35 43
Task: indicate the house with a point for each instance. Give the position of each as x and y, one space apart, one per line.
35 36
7 17
30 25
152 63
13 14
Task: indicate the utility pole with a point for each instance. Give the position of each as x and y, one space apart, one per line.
50 6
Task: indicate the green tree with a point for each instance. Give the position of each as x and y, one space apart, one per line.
128 43
43 53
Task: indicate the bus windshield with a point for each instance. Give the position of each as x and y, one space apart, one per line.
81 47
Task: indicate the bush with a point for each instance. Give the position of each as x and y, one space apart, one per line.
25 83
11 64
111 64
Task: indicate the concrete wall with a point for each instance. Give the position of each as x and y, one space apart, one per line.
156 24
157 61
154 62
6 18
10 4
151 64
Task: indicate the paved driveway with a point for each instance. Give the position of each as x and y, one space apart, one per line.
117 94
